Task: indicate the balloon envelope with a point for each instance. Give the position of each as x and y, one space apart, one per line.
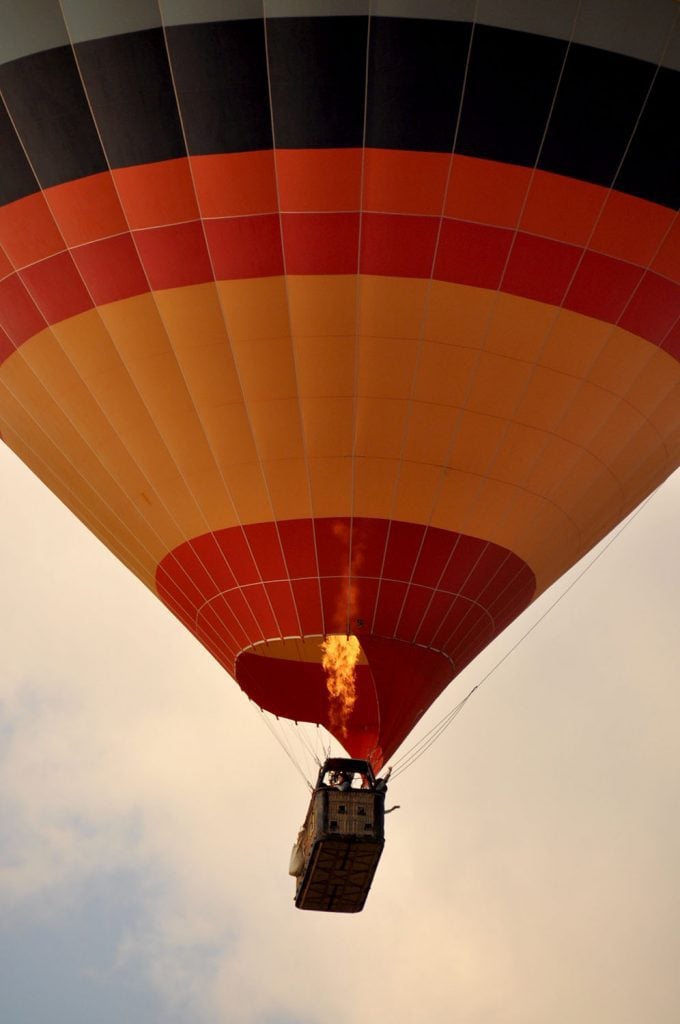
336 323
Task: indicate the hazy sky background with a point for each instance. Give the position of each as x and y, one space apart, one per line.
147 815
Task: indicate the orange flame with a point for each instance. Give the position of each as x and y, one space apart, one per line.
340 655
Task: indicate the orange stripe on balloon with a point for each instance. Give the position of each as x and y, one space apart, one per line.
84 211
531 427
156 194
319 180
235 184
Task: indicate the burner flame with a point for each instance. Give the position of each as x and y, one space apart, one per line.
340 656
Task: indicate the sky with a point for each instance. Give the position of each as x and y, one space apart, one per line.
147 812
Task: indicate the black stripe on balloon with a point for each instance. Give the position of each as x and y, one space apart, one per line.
510 85
220 72
16 177
317 72
598 103
415 83
318 78
656 145
45 99
130 88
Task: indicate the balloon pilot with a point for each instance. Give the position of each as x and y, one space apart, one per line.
342 781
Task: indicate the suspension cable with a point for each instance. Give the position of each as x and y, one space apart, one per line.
410 756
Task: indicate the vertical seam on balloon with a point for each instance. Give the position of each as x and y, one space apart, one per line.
225 321
220 304
423 320
357 322
489 315
168 336
357 370
303 433
400 459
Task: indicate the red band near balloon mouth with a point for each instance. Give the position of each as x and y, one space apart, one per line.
411 594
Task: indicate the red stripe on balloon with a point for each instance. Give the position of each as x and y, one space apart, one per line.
245 247
433 588
7 348
57 288
471 254
111 268
652 310
19 317
335 569
174 256
320 243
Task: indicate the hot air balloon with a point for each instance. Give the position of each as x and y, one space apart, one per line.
342 319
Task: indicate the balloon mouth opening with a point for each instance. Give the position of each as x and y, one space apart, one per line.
396 682
331 680
303 649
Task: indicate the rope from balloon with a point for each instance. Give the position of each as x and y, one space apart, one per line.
417 750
